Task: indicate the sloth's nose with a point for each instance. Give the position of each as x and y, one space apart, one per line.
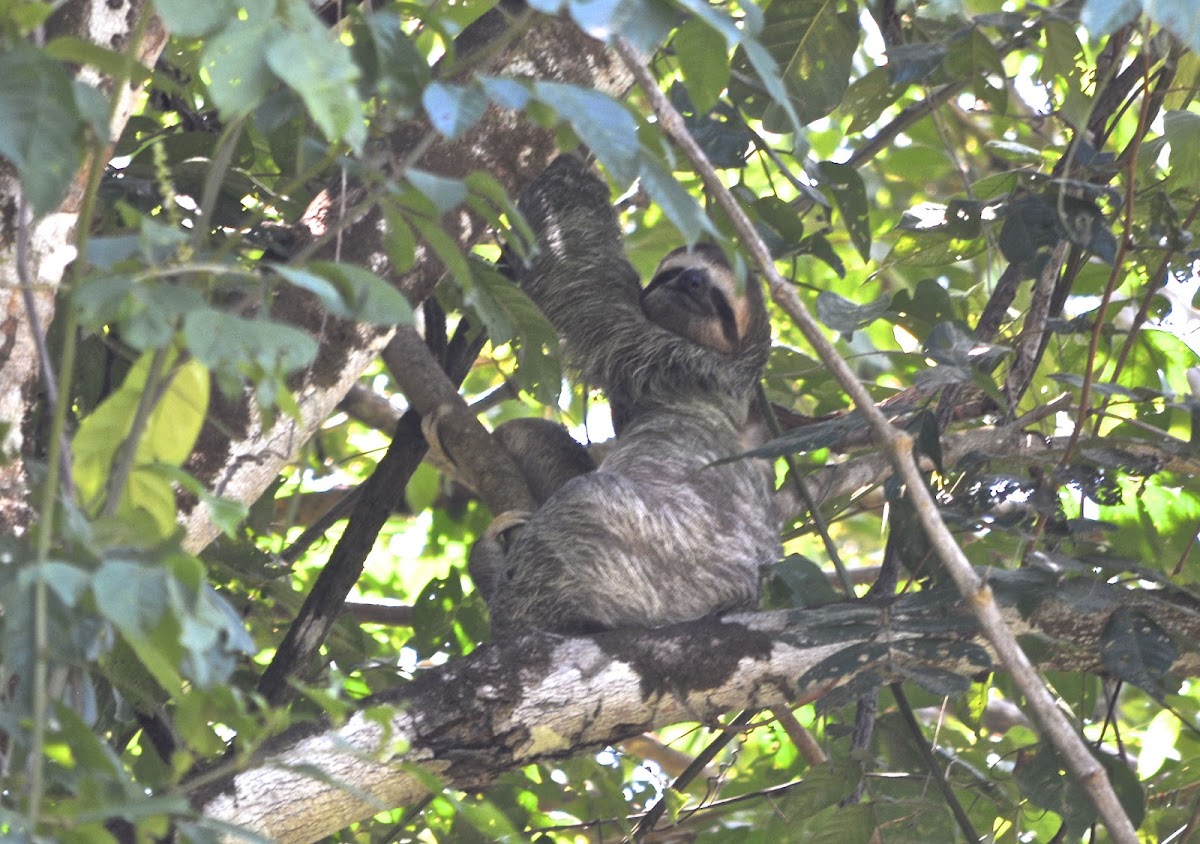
693 280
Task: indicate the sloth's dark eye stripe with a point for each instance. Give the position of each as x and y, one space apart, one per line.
662 278
728 320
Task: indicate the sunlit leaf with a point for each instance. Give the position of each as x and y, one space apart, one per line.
701 50
601 122
168 433
319 68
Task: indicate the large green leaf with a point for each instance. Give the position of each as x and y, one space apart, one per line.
705 65
350 292
850 196
170 432
1182 129
602 123
224 341
453 109
41 131
188 19
813 42
509 315
320 69
235 59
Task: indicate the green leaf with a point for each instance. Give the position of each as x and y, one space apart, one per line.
1137 650
797 581
189 19
824 785
92 106
976 60
778 224
320 69
41 131
446 194
133 597
226 513
490 200
170 432
506 93
598 18
1104 17
867 97
235 60
814 43
1059 58
350 292
222 341
1043 780
908 63
147 313
844 316
399 241
677 203
1187 76
704 62
444 246
602 123
1182 129
509 315
67 581
75 50
211 632
390 62
850 196
453 109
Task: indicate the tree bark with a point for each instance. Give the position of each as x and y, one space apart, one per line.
546 697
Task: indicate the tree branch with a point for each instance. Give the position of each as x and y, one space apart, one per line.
546 697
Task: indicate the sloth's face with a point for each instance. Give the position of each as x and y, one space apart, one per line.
695 295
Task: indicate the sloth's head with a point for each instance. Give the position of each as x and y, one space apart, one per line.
695 294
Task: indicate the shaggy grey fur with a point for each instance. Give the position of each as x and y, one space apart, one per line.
657 534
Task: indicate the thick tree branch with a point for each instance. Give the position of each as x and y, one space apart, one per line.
546 697
381 494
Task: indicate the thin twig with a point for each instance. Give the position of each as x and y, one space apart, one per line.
25 279
646 823
935 771
1114 278
123 460
899 446
1031 344
806 745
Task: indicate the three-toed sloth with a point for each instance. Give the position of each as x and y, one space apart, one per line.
660 532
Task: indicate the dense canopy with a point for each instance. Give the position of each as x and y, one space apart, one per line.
248 246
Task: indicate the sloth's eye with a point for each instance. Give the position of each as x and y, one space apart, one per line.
662 278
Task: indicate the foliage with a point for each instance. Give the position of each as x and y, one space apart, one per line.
988 204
